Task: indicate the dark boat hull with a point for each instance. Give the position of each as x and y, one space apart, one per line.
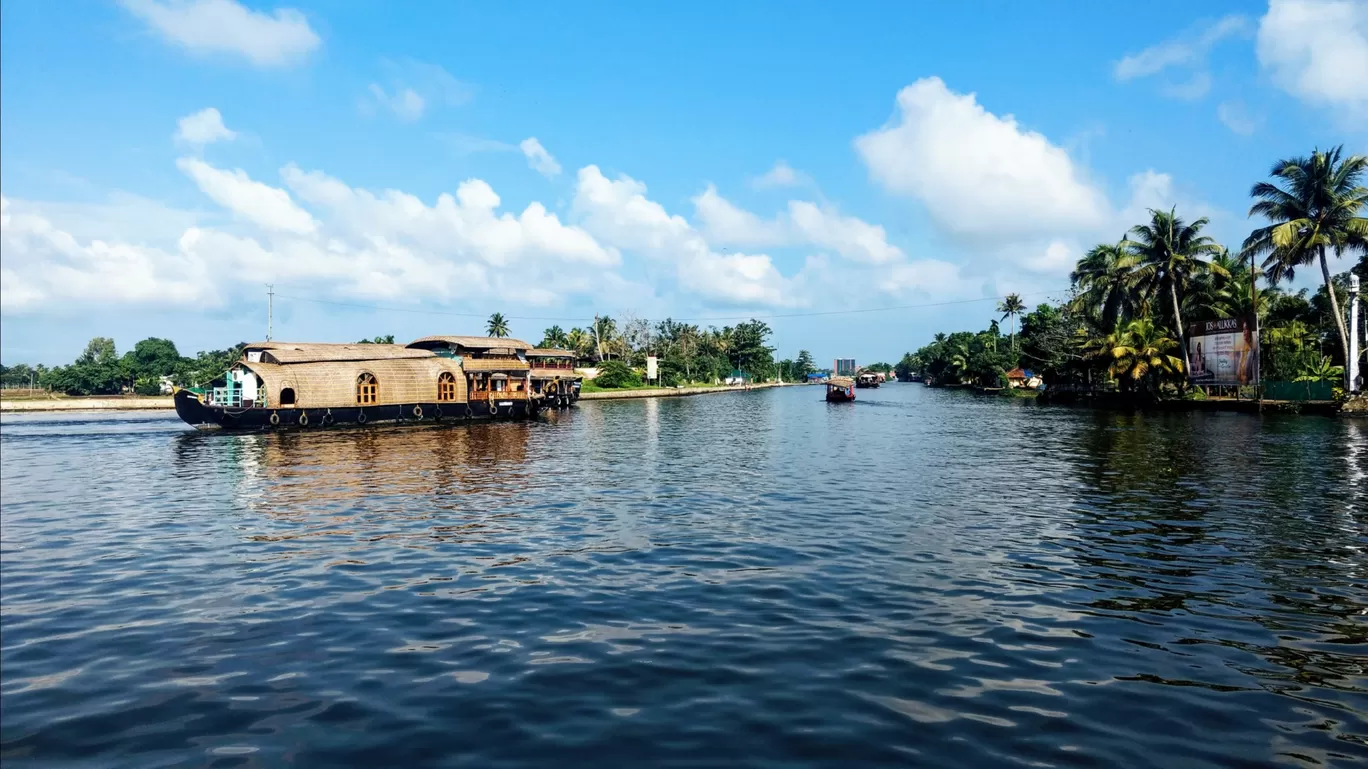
205 417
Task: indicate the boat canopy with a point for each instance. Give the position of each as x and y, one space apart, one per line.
841 381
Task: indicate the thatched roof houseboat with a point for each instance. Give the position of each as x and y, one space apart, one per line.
553 374
278 384
840 389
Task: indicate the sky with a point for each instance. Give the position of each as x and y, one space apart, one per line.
860 178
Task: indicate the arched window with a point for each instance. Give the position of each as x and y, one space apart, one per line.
367 389
446 387
287 396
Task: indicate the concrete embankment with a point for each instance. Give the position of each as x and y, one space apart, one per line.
140 404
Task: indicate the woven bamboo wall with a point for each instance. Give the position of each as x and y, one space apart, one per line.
333 384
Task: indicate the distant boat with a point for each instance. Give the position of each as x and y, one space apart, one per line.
867 379
840 389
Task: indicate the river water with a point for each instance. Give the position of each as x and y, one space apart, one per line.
920 578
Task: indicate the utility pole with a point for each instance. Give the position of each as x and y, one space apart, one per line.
270 309
1254 311
1353 332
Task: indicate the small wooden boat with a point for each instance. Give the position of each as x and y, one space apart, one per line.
440 378
867 379
840 389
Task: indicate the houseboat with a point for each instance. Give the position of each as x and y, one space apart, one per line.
553 376
840 389
867 379
439 378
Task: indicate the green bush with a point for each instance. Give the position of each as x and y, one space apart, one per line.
615 373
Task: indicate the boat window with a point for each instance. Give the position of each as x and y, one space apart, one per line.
367 389
446 387
287 396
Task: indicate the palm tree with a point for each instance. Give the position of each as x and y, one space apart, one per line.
1170 251
1105 280
497 326
1011 306
1139 352
554 337
578 341
1315 202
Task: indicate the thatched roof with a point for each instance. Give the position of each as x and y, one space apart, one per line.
549 352
555 373
493 364
841 381
332 384
309 352
472 342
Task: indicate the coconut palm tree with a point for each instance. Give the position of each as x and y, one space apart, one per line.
1139 353
554 337
497 325
1105 280
577 340
1170 252
1011 306
1314 203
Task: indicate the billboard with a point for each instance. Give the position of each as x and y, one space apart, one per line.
1223 352
651 372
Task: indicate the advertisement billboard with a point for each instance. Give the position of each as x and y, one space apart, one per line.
651 371
1223 352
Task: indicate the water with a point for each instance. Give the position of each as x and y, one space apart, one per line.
919 578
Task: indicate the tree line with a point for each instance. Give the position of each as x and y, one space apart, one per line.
100 370
1125 319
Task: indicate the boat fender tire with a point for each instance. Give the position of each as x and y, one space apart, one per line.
361 416
437 413
275 419
303 419
417 412
327 418
493 409
469 413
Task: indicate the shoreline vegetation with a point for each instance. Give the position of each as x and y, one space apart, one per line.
1119 339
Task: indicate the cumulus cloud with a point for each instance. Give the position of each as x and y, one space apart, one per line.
226 27
538 159
46 265
1317 50
203 127
258 203
618 211
978 174
724 222
1187 50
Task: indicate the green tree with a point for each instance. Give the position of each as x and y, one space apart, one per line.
1138 354
1170 251
497 325
1011 306
615 373
804 365
554 338
1105 282
1313 204
386 339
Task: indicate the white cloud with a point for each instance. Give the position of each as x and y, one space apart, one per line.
414 88
203 127
1317 50
45 265
225 26
1236 117
1196 87
538 159
618 211
848 236
726 223
464 144
261 204
1189 49
404 102
977 174
781 175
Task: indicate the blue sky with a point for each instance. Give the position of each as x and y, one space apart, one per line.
162 160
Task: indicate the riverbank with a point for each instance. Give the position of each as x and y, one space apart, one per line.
119 403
